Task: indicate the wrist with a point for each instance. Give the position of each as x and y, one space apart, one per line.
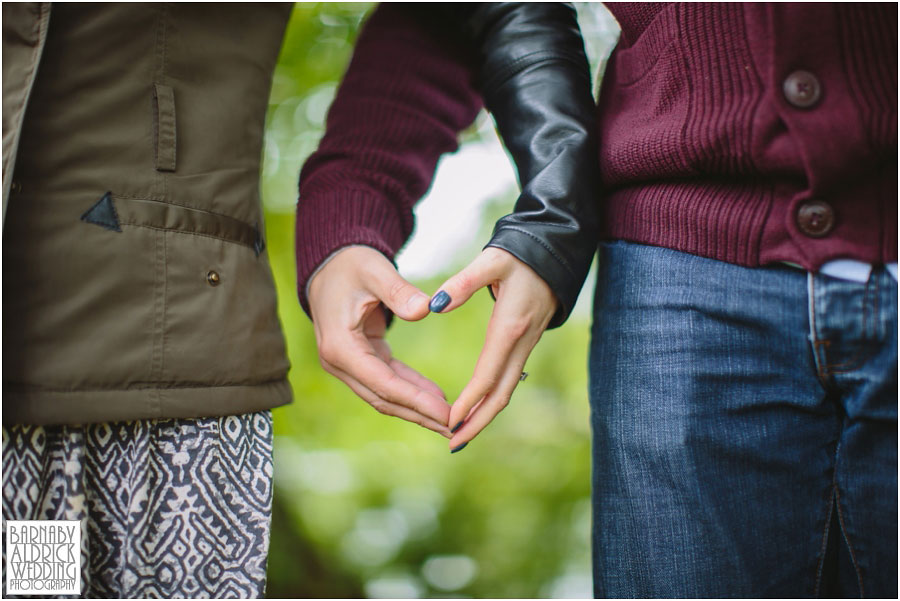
328 260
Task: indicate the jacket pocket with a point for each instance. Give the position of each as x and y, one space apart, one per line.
114 211
164 102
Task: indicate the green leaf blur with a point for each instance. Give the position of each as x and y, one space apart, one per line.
367 505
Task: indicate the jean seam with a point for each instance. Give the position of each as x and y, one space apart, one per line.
823 548
837 504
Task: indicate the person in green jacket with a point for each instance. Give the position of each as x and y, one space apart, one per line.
142 348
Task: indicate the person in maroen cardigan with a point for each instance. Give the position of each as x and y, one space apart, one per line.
744 352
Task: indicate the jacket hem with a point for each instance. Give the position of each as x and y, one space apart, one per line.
49 407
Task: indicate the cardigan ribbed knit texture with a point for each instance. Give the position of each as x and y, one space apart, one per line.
700 150
406 95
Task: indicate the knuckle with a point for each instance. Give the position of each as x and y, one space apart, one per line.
384 388
415 404
397 290
485 382
380 390
464 281
515 327
327 350
381 406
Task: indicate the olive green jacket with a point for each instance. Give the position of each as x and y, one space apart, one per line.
136 282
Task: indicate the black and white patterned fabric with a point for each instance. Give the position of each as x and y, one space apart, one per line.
169 508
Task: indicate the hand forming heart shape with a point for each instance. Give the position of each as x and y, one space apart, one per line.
345 298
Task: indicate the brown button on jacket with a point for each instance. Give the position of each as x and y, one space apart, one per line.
135 278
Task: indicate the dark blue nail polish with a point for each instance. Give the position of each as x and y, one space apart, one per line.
457 427
459 448
439 302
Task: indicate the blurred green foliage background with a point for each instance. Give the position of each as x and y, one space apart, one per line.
370 506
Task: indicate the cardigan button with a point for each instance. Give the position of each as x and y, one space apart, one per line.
815 218
802 89
213 278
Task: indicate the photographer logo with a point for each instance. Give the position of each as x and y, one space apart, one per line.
43 557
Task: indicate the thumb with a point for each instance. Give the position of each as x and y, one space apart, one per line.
405 300
485 270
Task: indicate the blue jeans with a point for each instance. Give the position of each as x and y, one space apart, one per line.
744 429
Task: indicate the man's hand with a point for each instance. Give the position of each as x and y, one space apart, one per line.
524 307
345 299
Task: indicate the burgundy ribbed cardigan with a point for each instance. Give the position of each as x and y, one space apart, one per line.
407 94
701 150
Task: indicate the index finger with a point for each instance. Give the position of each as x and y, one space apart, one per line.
500 340
495 401
359 360
388 408
511 321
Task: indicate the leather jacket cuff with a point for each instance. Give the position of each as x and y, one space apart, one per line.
564 281
564 278
535 80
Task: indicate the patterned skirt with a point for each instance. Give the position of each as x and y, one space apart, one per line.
168 508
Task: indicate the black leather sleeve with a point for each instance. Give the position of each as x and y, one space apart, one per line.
535 80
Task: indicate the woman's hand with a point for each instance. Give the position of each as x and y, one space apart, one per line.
345 299
525 304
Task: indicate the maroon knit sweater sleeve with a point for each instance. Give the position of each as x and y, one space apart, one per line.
406 95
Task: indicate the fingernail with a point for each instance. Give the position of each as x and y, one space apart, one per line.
439 302
457 427
459 448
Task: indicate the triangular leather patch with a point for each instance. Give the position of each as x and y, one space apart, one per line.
103 214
